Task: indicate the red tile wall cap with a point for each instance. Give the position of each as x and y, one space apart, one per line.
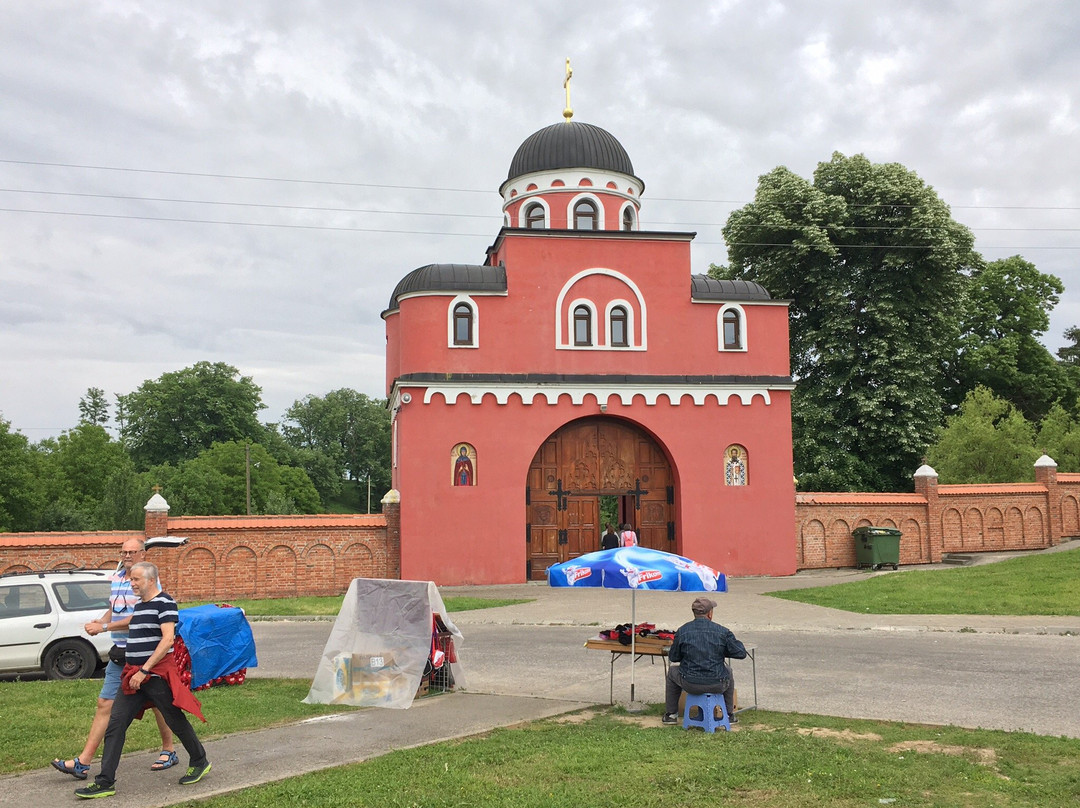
992 488
66 539
857 498
184 524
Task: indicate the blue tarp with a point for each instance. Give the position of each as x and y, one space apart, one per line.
219 641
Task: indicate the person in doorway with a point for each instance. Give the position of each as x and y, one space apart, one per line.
610 539
628 538
115 620
701 646
150 678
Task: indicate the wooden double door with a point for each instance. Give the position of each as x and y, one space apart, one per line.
574 468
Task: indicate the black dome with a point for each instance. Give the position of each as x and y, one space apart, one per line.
446 278
570 145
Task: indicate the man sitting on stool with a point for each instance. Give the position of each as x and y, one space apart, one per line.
701 646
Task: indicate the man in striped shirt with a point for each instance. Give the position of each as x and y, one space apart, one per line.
150 679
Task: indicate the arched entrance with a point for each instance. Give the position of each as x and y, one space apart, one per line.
576 466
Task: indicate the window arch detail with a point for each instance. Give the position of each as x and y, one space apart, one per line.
583 323
579 204
463 323
628 217
619 317
731 328
633 303
529 208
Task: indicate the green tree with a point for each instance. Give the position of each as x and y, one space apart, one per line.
1008 309
875 268
94 407
182 413
21 497
1059 437
988 441
345 428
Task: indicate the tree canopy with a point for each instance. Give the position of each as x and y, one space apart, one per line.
876 271
180 414
988 441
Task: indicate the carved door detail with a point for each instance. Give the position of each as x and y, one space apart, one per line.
577 465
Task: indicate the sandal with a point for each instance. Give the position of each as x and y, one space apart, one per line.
166 760
78 769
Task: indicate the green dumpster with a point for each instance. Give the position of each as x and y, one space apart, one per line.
877 547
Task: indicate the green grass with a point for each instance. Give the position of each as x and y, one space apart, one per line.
1031 585
329 606
775 759
41 720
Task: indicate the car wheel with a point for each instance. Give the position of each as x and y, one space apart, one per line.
69 659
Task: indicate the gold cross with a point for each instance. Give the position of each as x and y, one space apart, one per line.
567 113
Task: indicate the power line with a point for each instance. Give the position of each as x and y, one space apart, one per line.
349 184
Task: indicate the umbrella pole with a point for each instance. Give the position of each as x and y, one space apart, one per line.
633 640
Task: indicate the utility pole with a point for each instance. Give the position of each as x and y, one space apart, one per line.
247 475
369 493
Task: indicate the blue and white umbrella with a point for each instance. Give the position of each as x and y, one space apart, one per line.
636 568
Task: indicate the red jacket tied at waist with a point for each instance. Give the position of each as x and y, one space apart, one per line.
166 669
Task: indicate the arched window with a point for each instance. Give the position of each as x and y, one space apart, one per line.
463 324
628 218
617 323
534 216
582 326
732 330
585 215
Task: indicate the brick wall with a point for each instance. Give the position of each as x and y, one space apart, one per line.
939 519
231 557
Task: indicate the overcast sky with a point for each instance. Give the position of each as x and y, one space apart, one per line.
245 182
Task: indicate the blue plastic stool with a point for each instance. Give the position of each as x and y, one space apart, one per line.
709 704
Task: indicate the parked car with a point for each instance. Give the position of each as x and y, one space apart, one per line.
42 615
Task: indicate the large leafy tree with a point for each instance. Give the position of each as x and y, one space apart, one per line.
21 496
988 441
94 407
875 268
182 413
347 428
1059 437
1008 309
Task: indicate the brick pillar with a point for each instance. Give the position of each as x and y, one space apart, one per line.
926 485
1046 474
391 508
157 516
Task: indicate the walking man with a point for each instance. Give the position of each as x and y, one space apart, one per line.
115 620
150 678
701 646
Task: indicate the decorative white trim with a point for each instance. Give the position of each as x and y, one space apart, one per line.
625 305
571 312
528 204
636 213
743 336
571 176
475 322
563 343
550 394
601 223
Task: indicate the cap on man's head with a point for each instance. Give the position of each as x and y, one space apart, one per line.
702 606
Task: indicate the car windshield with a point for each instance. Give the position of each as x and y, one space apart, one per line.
79 596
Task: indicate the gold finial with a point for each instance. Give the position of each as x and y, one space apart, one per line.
156 489
567 113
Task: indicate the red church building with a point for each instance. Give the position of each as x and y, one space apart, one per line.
581 368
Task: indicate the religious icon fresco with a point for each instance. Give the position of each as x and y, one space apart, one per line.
463 464
735 465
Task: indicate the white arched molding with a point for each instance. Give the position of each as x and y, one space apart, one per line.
633 213
528 203
506 220
564 316
475 322
720 327
631 334
574 304
600 221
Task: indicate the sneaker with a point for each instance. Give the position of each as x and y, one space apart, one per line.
733 719
194 774
670 718
93 791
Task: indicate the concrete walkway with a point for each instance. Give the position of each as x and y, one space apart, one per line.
503 684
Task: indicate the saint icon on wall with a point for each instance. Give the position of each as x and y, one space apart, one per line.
735 465
463 460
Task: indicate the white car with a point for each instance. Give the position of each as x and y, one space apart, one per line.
42 615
